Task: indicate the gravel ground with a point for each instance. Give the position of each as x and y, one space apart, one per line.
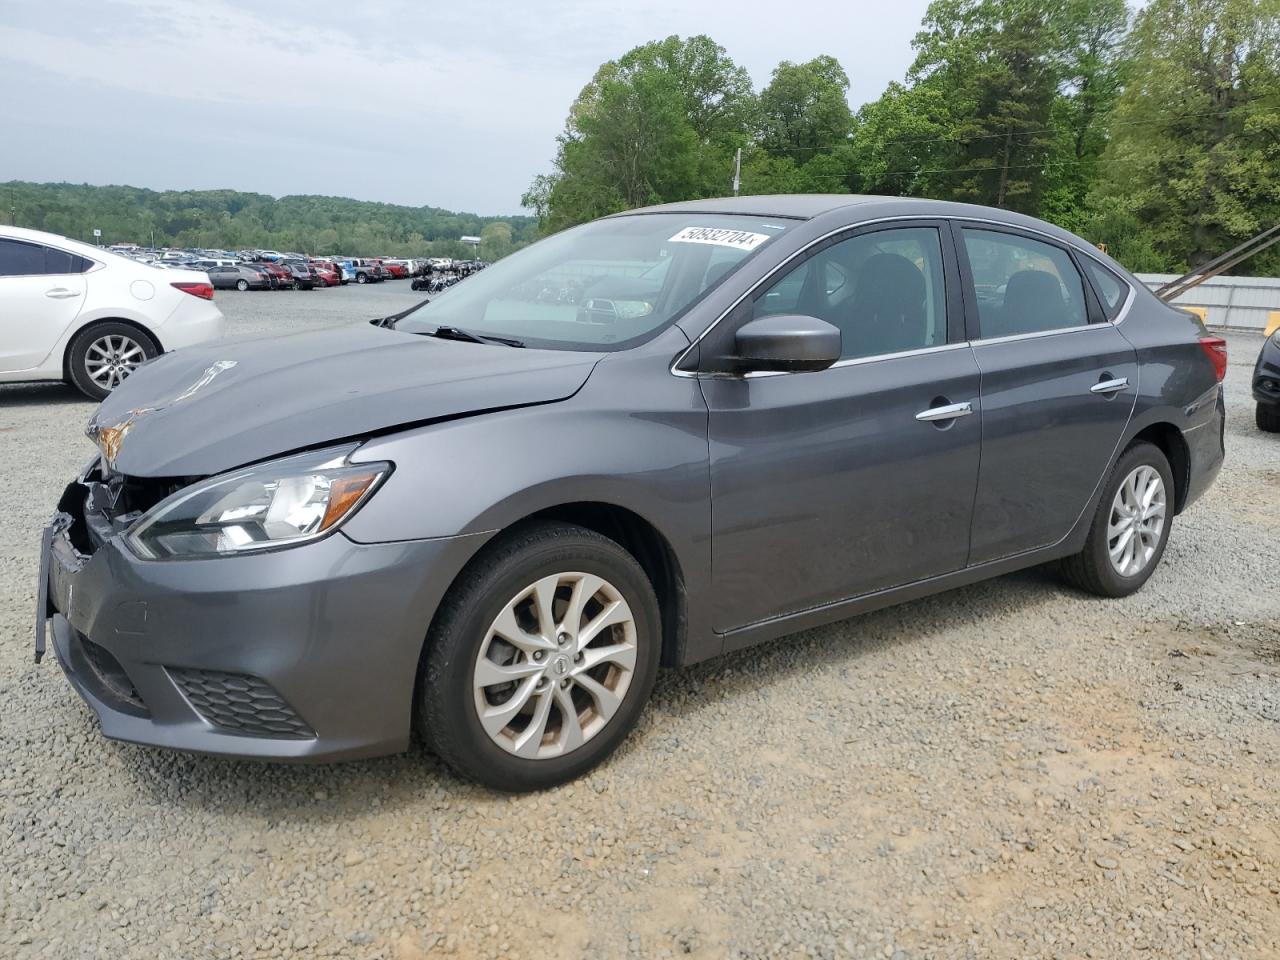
1008 770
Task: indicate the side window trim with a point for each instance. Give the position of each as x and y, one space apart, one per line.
973 324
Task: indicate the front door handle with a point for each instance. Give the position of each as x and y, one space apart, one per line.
1110 386
61 293
949 412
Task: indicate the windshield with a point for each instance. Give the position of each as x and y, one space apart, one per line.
605 285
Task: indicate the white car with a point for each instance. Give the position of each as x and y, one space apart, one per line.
75 312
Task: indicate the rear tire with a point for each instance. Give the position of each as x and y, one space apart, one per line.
1095 569
102 355
242 285
1267 417
585 690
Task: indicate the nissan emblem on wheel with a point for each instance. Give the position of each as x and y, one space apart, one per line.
641 442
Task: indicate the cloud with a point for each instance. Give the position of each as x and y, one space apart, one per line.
452 105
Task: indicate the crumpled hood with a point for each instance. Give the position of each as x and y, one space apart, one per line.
206 409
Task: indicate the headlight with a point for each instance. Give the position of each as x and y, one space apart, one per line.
278 504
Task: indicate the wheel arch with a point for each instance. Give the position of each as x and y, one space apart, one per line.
98 321
635 534
1170 441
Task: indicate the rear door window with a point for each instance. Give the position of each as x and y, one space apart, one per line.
1023 285
19 259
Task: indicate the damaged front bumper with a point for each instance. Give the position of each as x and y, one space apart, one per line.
306 653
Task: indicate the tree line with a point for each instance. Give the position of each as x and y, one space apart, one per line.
1155 133
232 220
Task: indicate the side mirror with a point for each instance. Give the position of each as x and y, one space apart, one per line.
787 342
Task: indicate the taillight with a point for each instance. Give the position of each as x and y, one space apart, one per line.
202 290
1215 348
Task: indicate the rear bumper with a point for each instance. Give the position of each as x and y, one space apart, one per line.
1206 449
193 321
305 654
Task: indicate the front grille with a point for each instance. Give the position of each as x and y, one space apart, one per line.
239 702
112 682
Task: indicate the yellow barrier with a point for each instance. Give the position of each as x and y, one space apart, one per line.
1273 323
1201 312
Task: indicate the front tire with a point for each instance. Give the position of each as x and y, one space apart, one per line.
1267 417
242 285
1130 527
361 278
102 355
540 659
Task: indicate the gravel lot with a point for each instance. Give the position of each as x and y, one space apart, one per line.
1007 770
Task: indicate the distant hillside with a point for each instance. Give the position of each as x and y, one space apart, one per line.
229 219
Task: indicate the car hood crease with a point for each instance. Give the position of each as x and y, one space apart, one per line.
207 409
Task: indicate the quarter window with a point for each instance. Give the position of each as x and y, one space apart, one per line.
883 290
1111 288
1023 285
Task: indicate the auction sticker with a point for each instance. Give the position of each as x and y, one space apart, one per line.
721 237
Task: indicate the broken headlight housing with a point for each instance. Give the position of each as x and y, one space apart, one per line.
281 503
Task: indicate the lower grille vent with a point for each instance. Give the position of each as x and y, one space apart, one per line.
241 703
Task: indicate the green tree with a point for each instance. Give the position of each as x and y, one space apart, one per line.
804 111
1091 74
1194 158
228 219
656 125
994 66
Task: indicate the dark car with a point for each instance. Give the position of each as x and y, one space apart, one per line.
304 275
242 276
494 521
1266 385
281 276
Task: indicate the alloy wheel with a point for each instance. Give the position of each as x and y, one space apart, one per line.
1137 521
111 358
555 665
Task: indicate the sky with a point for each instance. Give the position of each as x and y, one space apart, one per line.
448 105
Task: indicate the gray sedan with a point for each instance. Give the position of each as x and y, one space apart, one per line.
641 442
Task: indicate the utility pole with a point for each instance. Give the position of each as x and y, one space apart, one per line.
737 171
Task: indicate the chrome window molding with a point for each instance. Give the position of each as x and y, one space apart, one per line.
1058 241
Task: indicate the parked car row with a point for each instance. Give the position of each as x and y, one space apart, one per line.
273 270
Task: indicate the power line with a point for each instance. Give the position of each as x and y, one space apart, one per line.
995 168
1018 133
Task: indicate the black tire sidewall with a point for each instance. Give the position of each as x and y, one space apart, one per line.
80 345
242 285
1138 455
447 706
1267 417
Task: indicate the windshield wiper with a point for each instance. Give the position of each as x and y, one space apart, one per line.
389 322
457 333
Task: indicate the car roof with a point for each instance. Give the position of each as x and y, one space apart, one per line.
803 206
807 206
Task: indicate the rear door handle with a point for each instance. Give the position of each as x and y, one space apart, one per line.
61 293
949 412
1110 386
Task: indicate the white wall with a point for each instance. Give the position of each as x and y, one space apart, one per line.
1244 303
